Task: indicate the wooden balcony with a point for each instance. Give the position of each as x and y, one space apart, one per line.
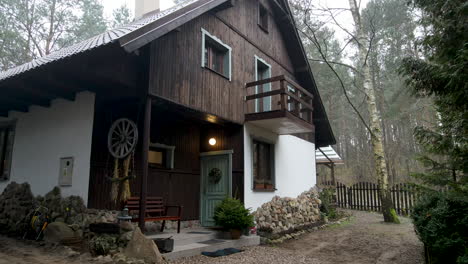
280 105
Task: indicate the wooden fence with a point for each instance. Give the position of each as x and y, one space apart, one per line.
365 196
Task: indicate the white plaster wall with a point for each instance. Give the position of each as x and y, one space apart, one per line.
44 135
294 166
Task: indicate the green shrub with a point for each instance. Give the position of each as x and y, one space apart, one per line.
231 214
441 221
327 196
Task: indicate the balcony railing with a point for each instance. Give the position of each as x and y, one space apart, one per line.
280 98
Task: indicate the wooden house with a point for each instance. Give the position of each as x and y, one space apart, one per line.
221 94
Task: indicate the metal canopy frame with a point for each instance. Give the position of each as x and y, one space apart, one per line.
330 160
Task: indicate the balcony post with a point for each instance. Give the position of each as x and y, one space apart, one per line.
283 102
297 105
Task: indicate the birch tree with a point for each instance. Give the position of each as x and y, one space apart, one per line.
363 41
375 125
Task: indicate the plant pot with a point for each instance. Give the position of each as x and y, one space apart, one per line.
269 187
164 244
259 186
236 233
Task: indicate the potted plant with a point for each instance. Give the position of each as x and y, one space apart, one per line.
233 216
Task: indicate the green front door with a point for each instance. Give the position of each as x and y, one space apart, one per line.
215 182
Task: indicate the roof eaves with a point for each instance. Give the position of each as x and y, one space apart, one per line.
150 32
309 70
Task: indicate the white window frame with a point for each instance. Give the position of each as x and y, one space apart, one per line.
258 59
205 34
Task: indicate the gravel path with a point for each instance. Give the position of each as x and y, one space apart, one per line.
364 239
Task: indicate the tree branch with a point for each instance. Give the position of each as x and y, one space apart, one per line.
341 64
315 41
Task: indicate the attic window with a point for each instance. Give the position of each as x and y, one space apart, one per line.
263 17
216 56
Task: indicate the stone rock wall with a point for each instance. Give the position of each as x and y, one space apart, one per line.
283 215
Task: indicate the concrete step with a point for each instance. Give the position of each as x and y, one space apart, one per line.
187 236
213 244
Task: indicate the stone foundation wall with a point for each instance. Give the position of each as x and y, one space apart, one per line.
283 215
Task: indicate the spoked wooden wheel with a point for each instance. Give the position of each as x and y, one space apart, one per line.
122 138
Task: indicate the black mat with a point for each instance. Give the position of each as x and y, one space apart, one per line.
221 252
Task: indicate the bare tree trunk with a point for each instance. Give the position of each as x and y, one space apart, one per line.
376 128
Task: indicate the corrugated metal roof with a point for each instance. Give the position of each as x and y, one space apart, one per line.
92 43
330 153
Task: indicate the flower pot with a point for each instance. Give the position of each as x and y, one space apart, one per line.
236 233
259 186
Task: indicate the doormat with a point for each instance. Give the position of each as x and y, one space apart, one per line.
221 252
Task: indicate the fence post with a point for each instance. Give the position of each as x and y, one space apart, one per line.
398 190
405 191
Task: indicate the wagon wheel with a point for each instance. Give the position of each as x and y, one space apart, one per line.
122 138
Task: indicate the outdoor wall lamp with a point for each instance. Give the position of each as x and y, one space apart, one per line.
212 141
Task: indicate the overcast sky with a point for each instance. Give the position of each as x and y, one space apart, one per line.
344 18
110 5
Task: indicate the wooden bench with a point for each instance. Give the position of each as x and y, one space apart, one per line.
156 210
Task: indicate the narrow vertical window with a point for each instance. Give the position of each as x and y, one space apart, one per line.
263 166
263 17
262 71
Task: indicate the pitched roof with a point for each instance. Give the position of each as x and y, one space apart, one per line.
102 39
154 25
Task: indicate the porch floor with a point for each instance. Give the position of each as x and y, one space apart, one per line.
191 242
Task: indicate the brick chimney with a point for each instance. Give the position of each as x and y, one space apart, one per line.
143 7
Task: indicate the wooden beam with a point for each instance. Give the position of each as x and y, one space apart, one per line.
265 94
298 86
25 101
18 108
144 162
48 88
264 81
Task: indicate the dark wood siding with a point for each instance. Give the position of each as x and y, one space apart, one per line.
180 185
176 72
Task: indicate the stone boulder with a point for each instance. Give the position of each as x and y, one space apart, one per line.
141 247
59 232
16 205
